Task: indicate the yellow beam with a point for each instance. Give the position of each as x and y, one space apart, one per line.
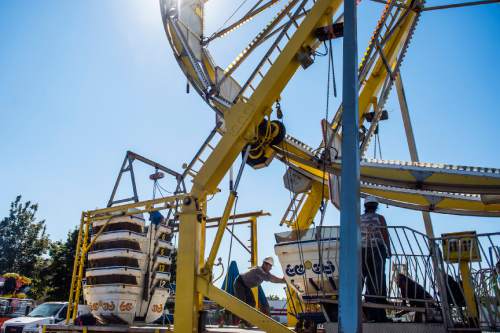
369 90
149 206
243 118
220 233
253 241
75 269
253 255
372 86
470 299
187 303
79 278
293 306
241 122
203 236
310 207
239 308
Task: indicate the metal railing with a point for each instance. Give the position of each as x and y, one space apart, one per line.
406 289
472 268
403 282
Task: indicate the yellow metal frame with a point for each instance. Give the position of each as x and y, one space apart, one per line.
241 122
83 245
367 96
254 259
463 248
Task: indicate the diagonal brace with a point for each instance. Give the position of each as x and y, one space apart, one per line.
239 308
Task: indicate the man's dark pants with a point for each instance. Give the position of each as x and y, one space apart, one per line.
243 293
373 270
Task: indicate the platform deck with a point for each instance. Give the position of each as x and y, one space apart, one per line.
367 328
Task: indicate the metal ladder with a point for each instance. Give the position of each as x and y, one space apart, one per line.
192 168
275 49
293 209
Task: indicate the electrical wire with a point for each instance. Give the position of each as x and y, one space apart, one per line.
325 155
334 83
164 189
297 227
231 242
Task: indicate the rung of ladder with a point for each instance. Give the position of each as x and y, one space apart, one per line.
192 172
293 208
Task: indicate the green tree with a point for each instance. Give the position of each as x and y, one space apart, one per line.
23 240
60 267
23 243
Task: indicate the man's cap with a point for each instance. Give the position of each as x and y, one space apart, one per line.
269 260
370 199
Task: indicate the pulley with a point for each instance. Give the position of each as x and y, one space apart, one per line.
269 133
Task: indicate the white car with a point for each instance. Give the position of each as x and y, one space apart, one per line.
44 314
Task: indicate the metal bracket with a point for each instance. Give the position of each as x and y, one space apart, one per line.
127 166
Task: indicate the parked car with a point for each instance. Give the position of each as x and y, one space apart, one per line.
14 307
46 313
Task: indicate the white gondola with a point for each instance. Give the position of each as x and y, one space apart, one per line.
163 260
114 270
134 219
122 235
299 253
113 253
160 279
117 300
165 244
157 304
162 229
115 289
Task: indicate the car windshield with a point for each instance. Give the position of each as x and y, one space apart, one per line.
46 310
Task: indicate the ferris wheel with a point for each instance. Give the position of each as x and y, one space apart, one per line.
271 41
432 187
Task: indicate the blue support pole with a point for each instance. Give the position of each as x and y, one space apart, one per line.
350 247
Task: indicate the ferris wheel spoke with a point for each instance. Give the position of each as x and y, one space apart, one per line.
258 39
269 53
254 11
283 25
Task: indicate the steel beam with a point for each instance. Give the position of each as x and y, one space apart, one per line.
369 89
426 216
253 241
258 213
241 122
239 308
243 118
412 145
187 305
221 228
350 247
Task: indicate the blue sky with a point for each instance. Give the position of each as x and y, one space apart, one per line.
83 81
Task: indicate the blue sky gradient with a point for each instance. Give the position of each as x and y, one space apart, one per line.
83 81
